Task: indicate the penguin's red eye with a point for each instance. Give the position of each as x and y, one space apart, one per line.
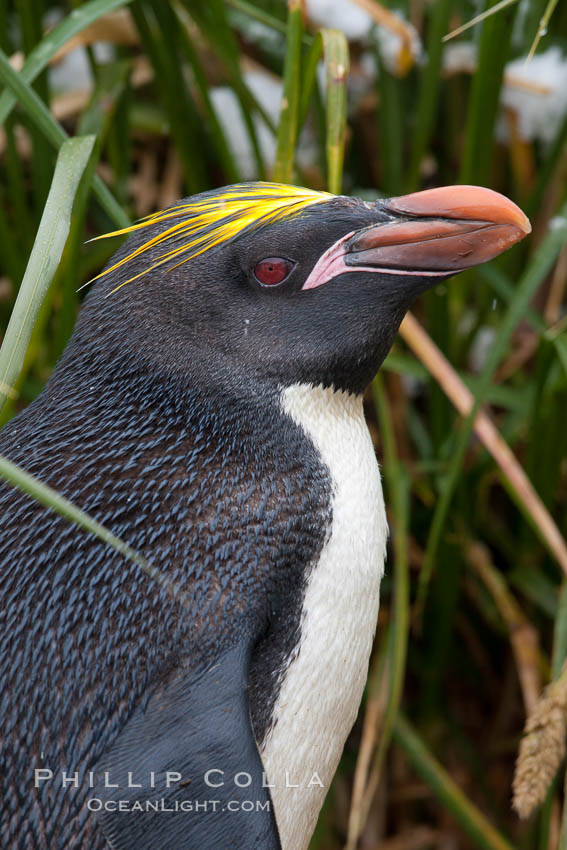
272 270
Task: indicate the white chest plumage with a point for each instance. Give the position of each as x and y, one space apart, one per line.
322 689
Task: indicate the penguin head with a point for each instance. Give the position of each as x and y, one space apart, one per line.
287 285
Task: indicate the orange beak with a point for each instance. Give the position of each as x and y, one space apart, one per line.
439 231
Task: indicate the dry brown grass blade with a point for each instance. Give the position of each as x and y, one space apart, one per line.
70 104
171 183
542 29
523 636
493 10
384 17
531 86
522 154
542 748
116 27
416 838
552 311
425 349
374 714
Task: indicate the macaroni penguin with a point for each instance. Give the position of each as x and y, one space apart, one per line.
208 411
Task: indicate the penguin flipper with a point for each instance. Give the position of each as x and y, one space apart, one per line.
195 735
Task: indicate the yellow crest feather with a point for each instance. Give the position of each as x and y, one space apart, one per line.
205 223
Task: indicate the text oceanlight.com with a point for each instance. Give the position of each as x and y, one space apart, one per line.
95 804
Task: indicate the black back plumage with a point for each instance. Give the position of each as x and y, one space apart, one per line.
220 500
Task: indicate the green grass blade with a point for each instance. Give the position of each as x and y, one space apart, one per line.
398 496
51 237
159 30
258 15
560 634
430 85
9 248
40 56
335 50
53 500
465 813
40 164
213 23
216 130
289 110
43 119
398 490
391 126
68 269
485 97
14 171
501 285
333 47
550 166
309 76
539 267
